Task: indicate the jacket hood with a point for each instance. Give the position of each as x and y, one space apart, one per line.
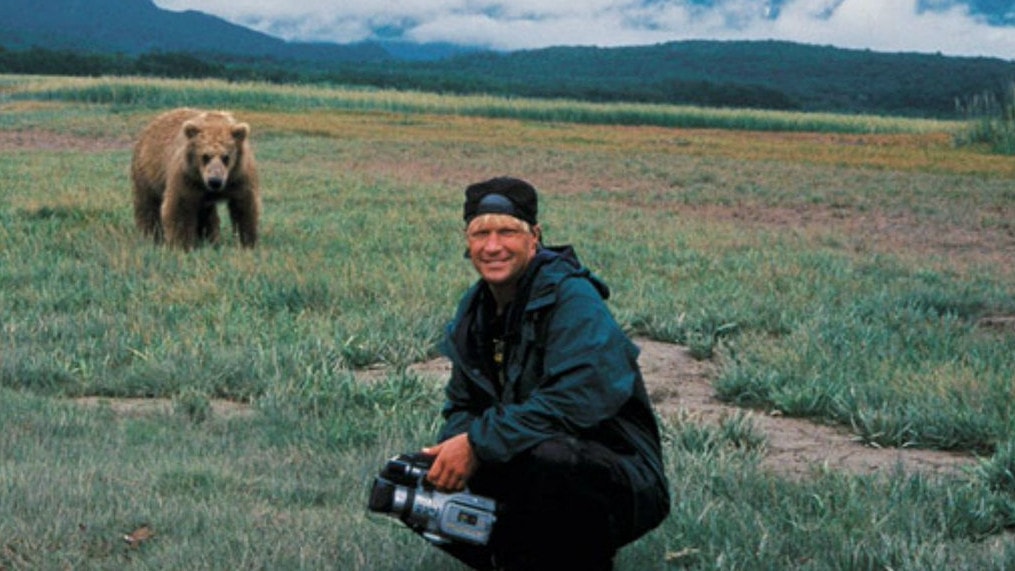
561 263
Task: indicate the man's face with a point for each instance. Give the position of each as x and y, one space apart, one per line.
501 247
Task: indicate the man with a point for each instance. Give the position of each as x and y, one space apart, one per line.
546 408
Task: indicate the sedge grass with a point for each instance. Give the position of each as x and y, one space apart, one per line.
360 263
285 489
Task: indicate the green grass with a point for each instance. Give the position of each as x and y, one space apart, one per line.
126 93
360 263
285 489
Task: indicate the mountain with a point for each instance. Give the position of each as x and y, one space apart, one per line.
138 26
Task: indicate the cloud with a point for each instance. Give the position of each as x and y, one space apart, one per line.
893 25
945 26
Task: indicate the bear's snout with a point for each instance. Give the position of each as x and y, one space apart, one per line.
215 175
215 183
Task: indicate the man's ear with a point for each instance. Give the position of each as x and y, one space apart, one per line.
537 230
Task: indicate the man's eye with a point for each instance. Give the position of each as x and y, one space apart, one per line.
479 235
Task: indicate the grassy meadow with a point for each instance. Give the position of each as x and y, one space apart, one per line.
835 268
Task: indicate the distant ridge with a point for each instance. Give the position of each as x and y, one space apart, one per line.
770 74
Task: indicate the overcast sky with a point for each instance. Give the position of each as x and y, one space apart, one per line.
880 25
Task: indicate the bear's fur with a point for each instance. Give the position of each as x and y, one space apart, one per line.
185 162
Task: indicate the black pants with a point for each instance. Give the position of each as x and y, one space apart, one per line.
565 504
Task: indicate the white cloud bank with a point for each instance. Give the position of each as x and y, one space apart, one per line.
879 25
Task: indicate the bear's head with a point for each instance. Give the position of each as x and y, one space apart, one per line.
215 145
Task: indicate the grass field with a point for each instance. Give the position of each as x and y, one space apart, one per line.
835 270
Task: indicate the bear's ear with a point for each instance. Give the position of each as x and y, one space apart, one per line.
191 129
240 131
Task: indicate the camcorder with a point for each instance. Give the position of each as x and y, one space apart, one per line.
401 490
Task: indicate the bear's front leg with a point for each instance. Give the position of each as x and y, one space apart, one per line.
147 204
244 213
180 224
208 224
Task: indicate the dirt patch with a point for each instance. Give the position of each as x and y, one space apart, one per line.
138 407
1000 323
45 140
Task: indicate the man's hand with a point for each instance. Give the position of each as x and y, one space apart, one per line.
454 464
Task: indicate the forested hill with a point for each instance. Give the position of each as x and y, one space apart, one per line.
135 37
768 74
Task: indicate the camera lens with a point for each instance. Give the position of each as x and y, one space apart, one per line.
382 496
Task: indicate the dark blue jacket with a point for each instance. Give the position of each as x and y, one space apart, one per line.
569 369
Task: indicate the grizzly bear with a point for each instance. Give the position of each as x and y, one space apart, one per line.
185 162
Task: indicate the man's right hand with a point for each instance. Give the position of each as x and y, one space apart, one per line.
454 464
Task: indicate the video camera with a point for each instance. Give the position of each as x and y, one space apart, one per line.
401 490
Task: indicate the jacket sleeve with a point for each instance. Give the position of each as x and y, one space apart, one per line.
459 406
589 373
464 401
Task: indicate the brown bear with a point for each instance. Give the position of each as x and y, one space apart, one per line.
185 162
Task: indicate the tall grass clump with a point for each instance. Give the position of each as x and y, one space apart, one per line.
730 513
990 121
898 359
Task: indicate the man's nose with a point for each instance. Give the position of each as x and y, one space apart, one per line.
493 242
